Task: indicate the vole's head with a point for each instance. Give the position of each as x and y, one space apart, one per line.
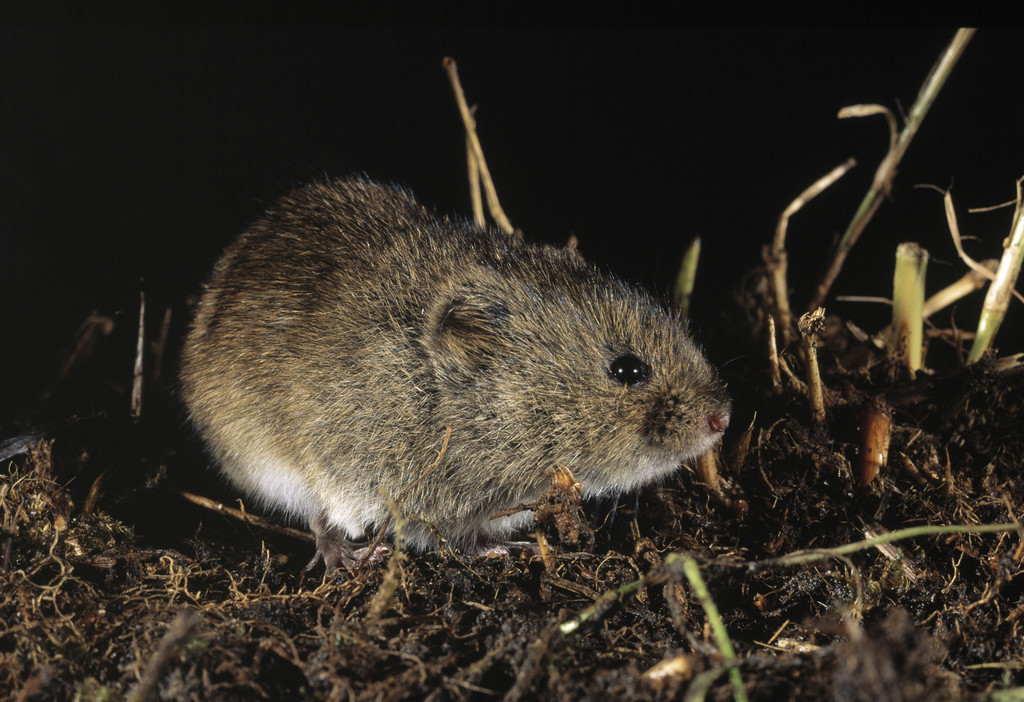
554 362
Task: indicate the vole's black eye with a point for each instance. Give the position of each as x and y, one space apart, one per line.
629 370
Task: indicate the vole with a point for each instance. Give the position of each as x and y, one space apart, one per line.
342 334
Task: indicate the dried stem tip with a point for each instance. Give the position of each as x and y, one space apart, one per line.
481 171
810 326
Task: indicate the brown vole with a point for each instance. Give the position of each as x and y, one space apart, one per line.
349 326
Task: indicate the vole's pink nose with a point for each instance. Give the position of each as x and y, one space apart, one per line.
718 422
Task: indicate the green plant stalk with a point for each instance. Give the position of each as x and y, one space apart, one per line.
820 554
908 303
1015 694
686 278
998 297
572 624
692 571
882 183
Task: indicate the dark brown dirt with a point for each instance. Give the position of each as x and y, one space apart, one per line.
116 587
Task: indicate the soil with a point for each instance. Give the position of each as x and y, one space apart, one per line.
117 585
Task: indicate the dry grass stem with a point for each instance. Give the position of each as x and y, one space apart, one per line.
954 232
475 198
473 142
886 171
874 299
775 256
869 111
972 280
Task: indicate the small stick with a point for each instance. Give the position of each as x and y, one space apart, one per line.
886 171
181 631
473 142
136 409
776 258
810 326
245 516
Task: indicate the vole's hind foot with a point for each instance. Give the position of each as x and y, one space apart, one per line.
334 550
334 554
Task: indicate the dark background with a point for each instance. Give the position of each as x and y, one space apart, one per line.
135 154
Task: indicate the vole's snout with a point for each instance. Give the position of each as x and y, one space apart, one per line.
718 422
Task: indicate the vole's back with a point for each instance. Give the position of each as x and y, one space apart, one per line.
342 334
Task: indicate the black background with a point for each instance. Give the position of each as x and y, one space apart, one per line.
135 154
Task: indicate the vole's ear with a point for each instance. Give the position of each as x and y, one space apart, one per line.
465 329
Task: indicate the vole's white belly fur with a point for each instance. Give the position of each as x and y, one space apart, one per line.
275 483
280 484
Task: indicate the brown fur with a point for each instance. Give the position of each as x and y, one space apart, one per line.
343 332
